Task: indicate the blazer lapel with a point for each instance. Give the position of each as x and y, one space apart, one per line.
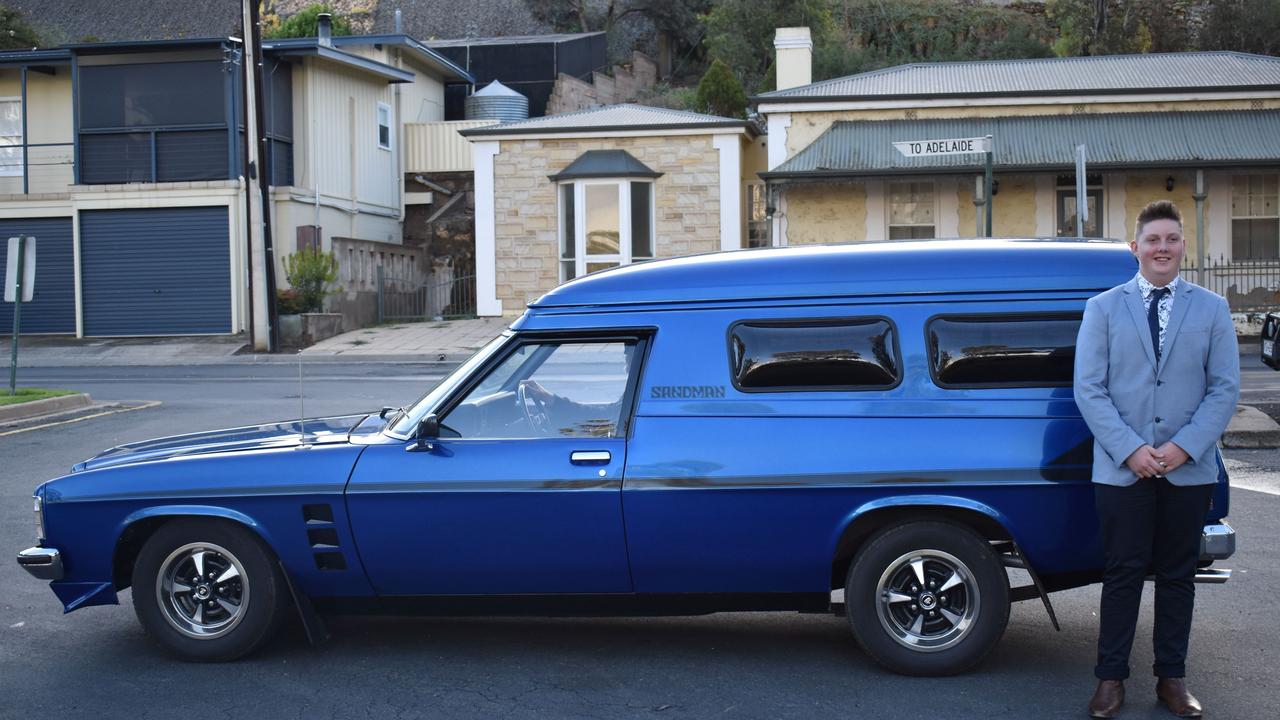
1181 303
1133 300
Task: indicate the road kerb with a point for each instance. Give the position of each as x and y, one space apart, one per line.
47 406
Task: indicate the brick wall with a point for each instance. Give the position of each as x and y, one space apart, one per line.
686 202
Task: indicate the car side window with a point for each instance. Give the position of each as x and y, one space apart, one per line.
1002 351
548 389
814 355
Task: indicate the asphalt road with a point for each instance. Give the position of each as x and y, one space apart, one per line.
97 662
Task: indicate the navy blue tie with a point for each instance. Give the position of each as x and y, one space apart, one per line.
1153 318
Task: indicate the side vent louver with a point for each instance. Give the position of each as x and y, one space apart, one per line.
322 536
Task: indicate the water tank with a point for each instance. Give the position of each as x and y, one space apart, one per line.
497 102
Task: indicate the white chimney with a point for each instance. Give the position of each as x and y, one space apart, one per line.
795 57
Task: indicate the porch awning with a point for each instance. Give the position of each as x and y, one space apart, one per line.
1211 138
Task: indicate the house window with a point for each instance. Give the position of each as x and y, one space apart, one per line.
1255 217
1066 206
604 223
911 210
384 126
11 136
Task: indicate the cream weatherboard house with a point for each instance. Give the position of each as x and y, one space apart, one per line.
1201 129
125 160
565 195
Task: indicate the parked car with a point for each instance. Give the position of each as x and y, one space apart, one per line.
878 430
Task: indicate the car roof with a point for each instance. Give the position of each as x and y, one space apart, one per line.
915 267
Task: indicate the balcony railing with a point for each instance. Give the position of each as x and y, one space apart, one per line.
36 168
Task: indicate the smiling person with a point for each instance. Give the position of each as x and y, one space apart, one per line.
1157 376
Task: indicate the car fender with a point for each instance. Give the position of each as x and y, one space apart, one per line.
848 526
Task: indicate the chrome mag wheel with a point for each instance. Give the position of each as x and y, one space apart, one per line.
202 590
927 600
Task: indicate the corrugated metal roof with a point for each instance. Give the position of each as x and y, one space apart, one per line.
1049 76
511 40
1037 142
611 117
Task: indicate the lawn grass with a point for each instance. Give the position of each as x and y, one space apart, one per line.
29 394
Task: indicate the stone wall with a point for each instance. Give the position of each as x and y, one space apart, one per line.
623 85
686 202
826 213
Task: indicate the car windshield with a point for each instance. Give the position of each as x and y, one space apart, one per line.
403 424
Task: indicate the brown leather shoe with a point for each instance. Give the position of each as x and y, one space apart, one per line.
1173 694
1107 699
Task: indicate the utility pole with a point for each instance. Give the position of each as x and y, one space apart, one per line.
261 256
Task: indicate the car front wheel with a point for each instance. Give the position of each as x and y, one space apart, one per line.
207 591
927 598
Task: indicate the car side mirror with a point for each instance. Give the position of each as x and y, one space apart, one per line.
428 433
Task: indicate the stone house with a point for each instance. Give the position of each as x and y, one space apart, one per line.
564 195
1201 129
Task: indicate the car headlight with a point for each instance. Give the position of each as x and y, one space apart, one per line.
39 508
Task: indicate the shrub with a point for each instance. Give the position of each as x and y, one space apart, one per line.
720 93
304 24
311 272
288 302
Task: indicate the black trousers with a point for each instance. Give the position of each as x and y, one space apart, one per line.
1151 526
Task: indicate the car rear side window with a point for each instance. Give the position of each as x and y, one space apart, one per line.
831 355
1002 351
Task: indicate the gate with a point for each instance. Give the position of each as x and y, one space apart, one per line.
405 300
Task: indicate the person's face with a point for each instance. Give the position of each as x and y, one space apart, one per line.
1159 250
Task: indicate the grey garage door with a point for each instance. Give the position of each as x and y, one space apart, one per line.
164 271
53 308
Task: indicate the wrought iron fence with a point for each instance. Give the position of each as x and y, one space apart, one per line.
406 300
1248 285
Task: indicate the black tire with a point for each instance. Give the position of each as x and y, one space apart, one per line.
232 609
912 628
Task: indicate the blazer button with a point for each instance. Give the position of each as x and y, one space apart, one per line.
1158 419
1159 382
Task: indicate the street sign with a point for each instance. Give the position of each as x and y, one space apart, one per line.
950 146
28 269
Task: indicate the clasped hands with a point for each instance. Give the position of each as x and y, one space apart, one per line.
1147 461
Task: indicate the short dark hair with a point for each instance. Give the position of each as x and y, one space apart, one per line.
1156 210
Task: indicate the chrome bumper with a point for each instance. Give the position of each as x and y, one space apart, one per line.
1217 542
43 563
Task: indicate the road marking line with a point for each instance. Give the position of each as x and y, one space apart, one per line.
144 406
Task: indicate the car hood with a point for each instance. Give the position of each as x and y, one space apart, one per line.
250 437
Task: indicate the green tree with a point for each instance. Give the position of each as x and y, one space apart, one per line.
15 33
740 32
305 23
720 93
1242 25
1112 27
872 34
311 272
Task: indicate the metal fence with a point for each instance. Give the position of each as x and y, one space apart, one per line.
1248 285
405 300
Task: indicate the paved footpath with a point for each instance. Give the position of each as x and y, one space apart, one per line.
442 341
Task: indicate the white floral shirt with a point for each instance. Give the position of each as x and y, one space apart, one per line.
1166 302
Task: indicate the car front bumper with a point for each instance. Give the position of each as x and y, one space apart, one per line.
43 563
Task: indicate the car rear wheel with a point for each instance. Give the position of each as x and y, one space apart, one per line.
207 591
927 598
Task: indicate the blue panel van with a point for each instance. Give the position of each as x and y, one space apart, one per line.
880 430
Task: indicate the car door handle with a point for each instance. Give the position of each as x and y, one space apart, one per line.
589 457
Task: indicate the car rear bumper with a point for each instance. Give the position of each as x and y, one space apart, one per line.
1217 542
43 563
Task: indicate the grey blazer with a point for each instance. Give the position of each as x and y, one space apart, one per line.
1128 401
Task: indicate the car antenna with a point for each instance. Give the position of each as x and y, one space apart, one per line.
302 403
